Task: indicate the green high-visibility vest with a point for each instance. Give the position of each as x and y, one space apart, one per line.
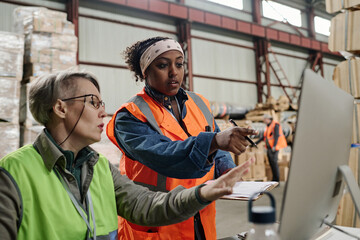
48 212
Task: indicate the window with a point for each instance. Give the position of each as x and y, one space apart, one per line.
322 25
281 12
238 4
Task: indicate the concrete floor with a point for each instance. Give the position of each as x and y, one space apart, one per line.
232 215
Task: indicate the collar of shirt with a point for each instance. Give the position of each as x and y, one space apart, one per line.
165 100
53 154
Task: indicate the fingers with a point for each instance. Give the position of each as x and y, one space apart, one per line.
240 170
236 173
247 131
232 139
223 185
239 148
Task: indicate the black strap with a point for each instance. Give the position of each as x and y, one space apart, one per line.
18 222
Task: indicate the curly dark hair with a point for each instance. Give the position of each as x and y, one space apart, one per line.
133 53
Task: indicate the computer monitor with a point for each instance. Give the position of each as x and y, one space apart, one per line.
321 143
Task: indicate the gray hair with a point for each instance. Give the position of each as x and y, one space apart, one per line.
45 91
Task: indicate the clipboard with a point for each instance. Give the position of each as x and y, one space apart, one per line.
245 189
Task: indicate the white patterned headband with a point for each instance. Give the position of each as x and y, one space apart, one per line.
157 49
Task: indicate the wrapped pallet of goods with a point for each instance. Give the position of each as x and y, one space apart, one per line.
9 99
346 76
50 46
337 5
11 72
10 137
258 169
356 123
344 33
11 55
50 41
345 36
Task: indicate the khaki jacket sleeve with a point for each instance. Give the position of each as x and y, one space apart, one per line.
144 207
10 206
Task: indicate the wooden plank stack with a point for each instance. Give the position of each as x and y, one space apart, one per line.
344 34
345 37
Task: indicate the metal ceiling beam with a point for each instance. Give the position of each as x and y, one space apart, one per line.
184 37
180 11
72 10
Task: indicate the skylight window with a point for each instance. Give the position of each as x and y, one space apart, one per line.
281 12
322 25
238 4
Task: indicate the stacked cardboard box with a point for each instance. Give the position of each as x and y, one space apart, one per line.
345 36
50 41
258 170
9 99
11 55
11 71
50 46
347 74
10 137
356 123
337 5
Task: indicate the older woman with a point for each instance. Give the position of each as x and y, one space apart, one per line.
168 137
60 188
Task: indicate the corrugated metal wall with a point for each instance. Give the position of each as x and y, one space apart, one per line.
6 16
103 41
217 59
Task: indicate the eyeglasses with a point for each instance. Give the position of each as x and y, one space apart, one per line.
94 100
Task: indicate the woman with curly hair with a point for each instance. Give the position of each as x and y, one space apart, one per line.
168 137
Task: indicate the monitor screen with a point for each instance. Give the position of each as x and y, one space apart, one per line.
321 143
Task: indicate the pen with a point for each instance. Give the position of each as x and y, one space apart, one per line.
247 138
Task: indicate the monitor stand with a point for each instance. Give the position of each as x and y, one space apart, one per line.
352 186
344 172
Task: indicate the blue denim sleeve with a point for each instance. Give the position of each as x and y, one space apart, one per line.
223 160
177 159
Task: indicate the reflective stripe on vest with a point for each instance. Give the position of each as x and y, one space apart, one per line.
145 109
204 109
55 217
195 122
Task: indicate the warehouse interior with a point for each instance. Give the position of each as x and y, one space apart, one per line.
247 57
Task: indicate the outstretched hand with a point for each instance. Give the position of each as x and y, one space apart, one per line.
224 184
232 140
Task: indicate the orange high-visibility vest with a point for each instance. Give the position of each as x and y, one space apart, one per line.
146 109
269 135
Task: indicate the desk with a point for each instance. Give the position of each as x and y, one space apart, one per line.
328 234
333 234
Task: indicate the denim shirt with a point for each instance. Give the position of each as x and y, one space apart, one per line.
178 159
